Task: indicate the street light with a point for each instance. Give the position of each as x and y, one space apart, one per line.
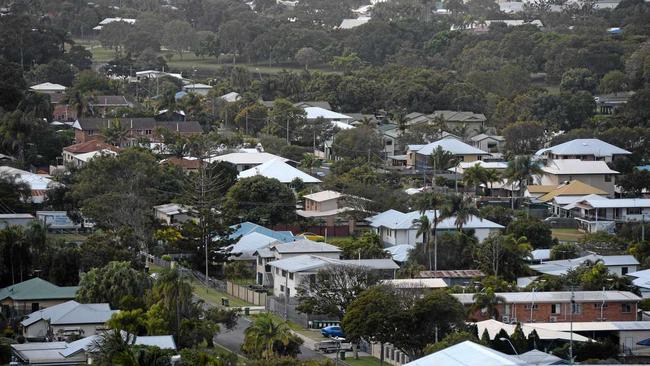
504 339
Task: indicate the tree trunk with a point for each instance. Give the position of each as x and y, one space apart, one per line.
381 356
355 349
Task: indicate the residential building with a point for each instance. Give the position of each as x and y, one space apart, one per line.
453 120
313 113
499 166
397 228
32 295
246 160
250 237
595 213
101 105
484 26
583 149
555 306
174 213
277 169
312 103
467 353
279 251
608 103
197 88
15 219
494 327
67 319
290 273
390 134
619 265
489 143
324 205
37 183
185 164
641 279
416 284
48 88
87 129
353 23
568 192
418 155
458 277
400 253
60 221
534 191
594 173
78 154
230 97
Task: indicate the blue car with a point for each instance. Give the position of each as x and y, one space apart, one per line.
332 331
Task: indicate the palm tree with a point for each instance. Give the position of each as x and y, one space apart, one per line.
424 229
520 171
474 176
491 176
114 134
309 161
438 204
487 299
440 159
464 212
264 334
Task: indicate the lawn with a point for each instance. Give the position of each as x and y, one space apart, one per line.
567 234
68 237
212 296
363 361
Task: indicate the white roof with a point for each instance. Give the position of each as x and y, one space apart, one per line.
641 278
35 181
393 219
493 327
537 357
467 354
48 87
246 158
304 246
576 167
416 283
603 202
562 266
460 168
318 112
86 157
400 253
595 326
112 20
279 170
231 97
249 243
342 125
162 342
196 86
572 201
352 23
454 146
556 296
313 263
593 147
323 196
72 312
540 254
172 208
483 136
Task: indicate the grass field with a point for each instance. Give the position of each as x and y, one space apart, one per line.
67 237
567 234
363 361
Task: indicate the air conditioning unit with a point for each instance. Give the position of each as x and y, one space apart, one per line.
505 319
552 319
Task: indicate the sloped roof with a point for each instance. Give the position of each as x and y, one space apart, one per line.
109 101
400 253
161 341
190 87
248 227
248 244
318 112
34 181
353 23
560 267
454 146
595 147
577 167
556 296
97 124
314 103
494 326
47 87
467 354
231 97
573 188
496 165
393 219
616 202
72 312
183 163
308 262
90 146
305 246
452 273
38 289
416 283
323 196
538 188
459 116
277 169
246 158
483 136
537 357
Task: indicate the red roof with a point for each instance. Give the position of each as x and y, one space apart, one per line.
185 164
90 146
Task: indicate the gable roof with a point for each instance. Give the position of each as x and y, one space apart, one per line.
34 181
459 116
314 103
467 354
38 289
305 246
493 328
483 136
246 158
562 266
577 167
72 312
454 146
353 23
537 357
307 262
318 112
183 163
393 219
96 124
539 188
248 244
573 188
47 87
277 169
595 147
400 253
90 146
604 202
248 227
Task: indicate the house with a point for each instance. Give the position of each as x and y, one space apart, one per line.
595 213
641 279
484 26
583 149
32 295
105 21
555 306
313 103
619 265
467 353
534 191
197 88
324 205
313 113
400 253
537 357
173 213
38 184
499 166
155 74
15 219
608 103
567 193
185 164
290 273
66 319
246 160
87 129
390 135
594 173
458 277
250 237
78 154
489 143
494 327
48 88
353 23
418 155
60 221
101 105
230 97
397 228
277 169
416 284
453 120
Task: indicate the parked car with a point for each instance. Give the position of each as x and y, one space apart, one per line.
313 237
332 331
333 345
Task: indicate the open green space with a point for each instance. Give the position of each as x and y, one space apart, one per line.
567 234
213 297
363 361
68 237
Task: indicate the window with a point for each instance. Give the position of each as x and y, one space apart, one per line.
148 132
535 307
599 305
259 260
389 142
35 306
556 308
608 178
634 211
624 270
282 288
577 308
291 276
267 268
277 271
626 308
284 273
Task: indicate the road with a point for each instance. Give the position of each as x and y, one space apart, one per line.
232 340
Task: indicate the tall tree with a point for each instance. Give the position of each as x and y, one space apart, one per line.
267 338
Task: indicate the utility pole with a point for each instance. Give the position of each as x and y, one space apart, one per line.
288 130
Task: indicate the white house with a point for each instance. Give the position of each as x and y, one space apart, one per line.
48 88
277 169
583 149
499 166
594 173
230 97
246 160
398 228
324 205
290 273
39 184
468 354
197 88
619 265
313 113
602 214
173 213
15 219
67 319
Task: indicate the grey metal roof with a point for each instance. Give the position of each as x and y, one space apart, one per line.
396 220
467 354
162 342
593 147
307 262
560 267
72 312
305 246
556 296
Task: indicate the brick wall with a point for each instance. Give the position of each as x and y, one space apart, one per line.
589 311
